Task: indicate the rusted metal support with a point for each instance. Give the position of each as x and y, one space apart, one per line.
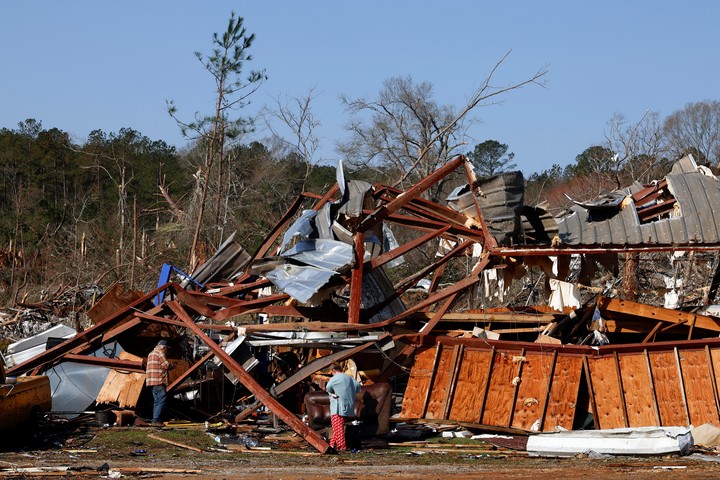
356 279
320 363
250 306
429 225
239 288
405 248
600 249
116 363
384 211
425 208
327 197
251 384
178 381
490 241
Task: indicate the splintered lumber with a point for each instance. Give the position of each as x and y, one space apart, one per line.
177 444
617 309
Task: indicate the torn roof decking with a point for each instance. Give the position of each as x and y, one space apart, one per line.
690 217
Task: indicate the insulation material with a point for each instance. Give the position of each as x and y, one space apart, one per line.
563 295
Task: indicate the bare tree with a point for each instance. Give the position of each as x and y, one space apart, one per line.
638 148
695 129
296 114
408 131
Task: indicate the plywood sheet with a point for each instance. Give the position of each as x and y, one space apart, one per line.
698 386
564 392
667 389
122 388
470 385
533 388
499 401
608 395
418 383
637 390
439 387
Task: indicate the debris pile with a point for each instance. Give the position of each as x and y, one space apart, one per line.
388 282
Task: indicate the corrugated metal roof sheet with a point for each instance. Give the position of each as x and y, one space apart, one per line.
693 220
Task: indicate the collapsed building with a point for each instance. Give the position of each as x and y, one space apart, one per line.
252 331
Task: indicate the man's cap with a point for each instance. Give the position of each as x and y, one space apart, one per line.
162 343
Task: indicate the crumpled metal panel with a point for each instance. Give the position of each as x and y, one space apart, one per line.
694 219
309 265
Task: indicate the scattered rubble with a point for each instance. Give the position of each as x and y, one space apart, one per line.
253 335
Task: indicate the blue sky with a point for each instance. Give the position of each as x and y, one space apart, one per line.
83 65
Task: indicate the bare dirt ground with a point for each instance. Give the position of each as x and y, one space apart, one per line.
133 453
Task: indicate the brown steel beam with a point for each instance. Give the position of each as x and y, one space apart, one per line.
131 365
356 279
327 197
320 363
541 250
405 248
251 384
415 191
249 306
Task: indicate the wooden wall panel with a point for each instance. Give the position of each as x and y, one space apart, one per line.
533 388
470 385
608 396
418 383
637 390
698 387
563 393
439 387
715 363
667 389
499 402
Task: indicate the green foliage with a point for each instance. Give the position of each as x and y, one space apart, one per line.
491 158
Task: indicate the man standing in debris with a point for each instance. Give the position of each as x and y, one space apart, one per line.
156 377
342 389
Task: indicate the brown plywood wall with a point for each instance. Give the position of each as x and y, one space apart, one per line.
564 391
480 384
418 384
670 397
696 375
637 390
607 392
471 384
535 381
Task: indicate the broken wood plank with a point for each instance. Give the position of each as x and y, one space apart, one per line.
177 444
